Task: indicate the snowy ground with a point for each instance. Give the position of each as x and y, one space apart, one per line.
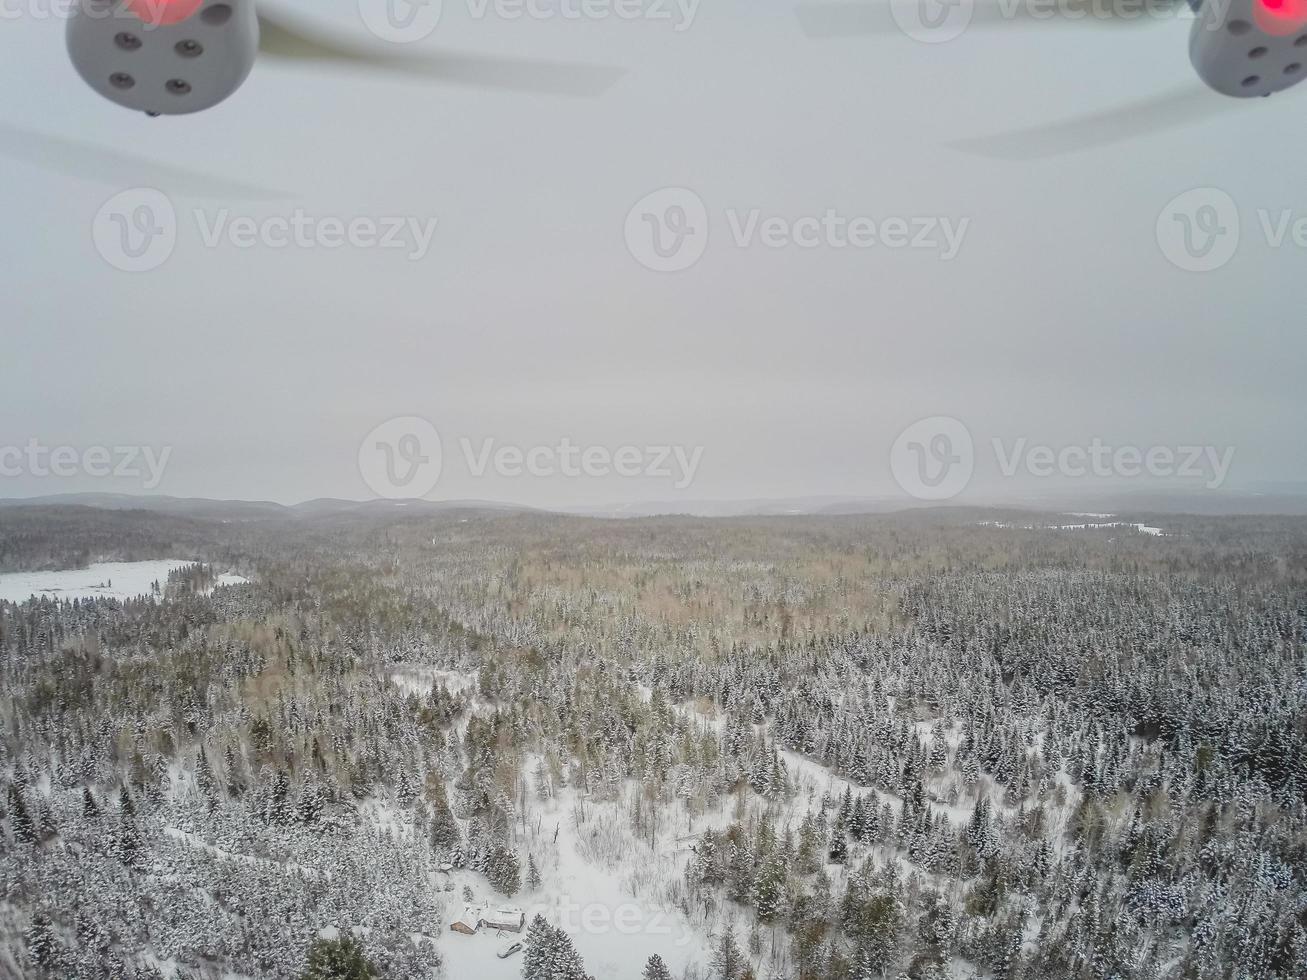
104 580
615 929
608 888
419 680
598 882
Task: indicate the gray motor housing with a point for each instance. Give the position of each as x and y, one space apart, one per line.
164 68
1247 48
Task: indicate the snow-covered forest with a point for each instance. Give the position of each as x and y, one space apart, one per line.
939 745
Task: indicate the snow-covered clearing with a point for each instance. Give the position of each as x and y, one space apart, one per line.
420 680
598 886
615 883
599 883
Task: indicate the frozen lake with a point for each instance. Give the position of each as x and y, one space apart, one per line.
105 580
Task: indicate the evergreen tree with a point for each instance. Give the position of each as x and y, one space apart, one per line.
279 810
20 821
533 880
656 969
444 827
839 846
503 870
127 845
769 889
338 959
539 949
42 946
550 954
204 778
728 962
566 963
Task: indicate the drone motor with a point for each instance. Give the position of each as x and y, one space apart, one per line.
1247 48
164 57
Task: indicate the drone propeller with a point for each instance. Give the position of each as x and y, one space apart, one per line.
85 161
284 39
1166 111
1170 110
821 19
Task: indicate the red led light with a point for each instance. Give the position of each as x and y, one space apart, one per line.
1279 18
161 13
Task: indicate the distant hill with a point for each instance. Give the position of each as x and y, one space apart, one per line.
254 510
1284 499
243 510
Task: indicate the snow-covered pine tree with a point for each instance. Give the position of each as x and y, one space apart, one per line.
42 946
20 821
656 969
503 870
728 962
769 888
539 949
127 845
444 826
338 959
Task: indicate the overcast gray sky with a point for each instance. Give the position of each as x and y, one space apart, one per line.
529 321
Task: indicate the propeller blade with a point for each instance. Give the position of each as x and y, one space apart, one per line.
283 38
1157 114
821 19
85 161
